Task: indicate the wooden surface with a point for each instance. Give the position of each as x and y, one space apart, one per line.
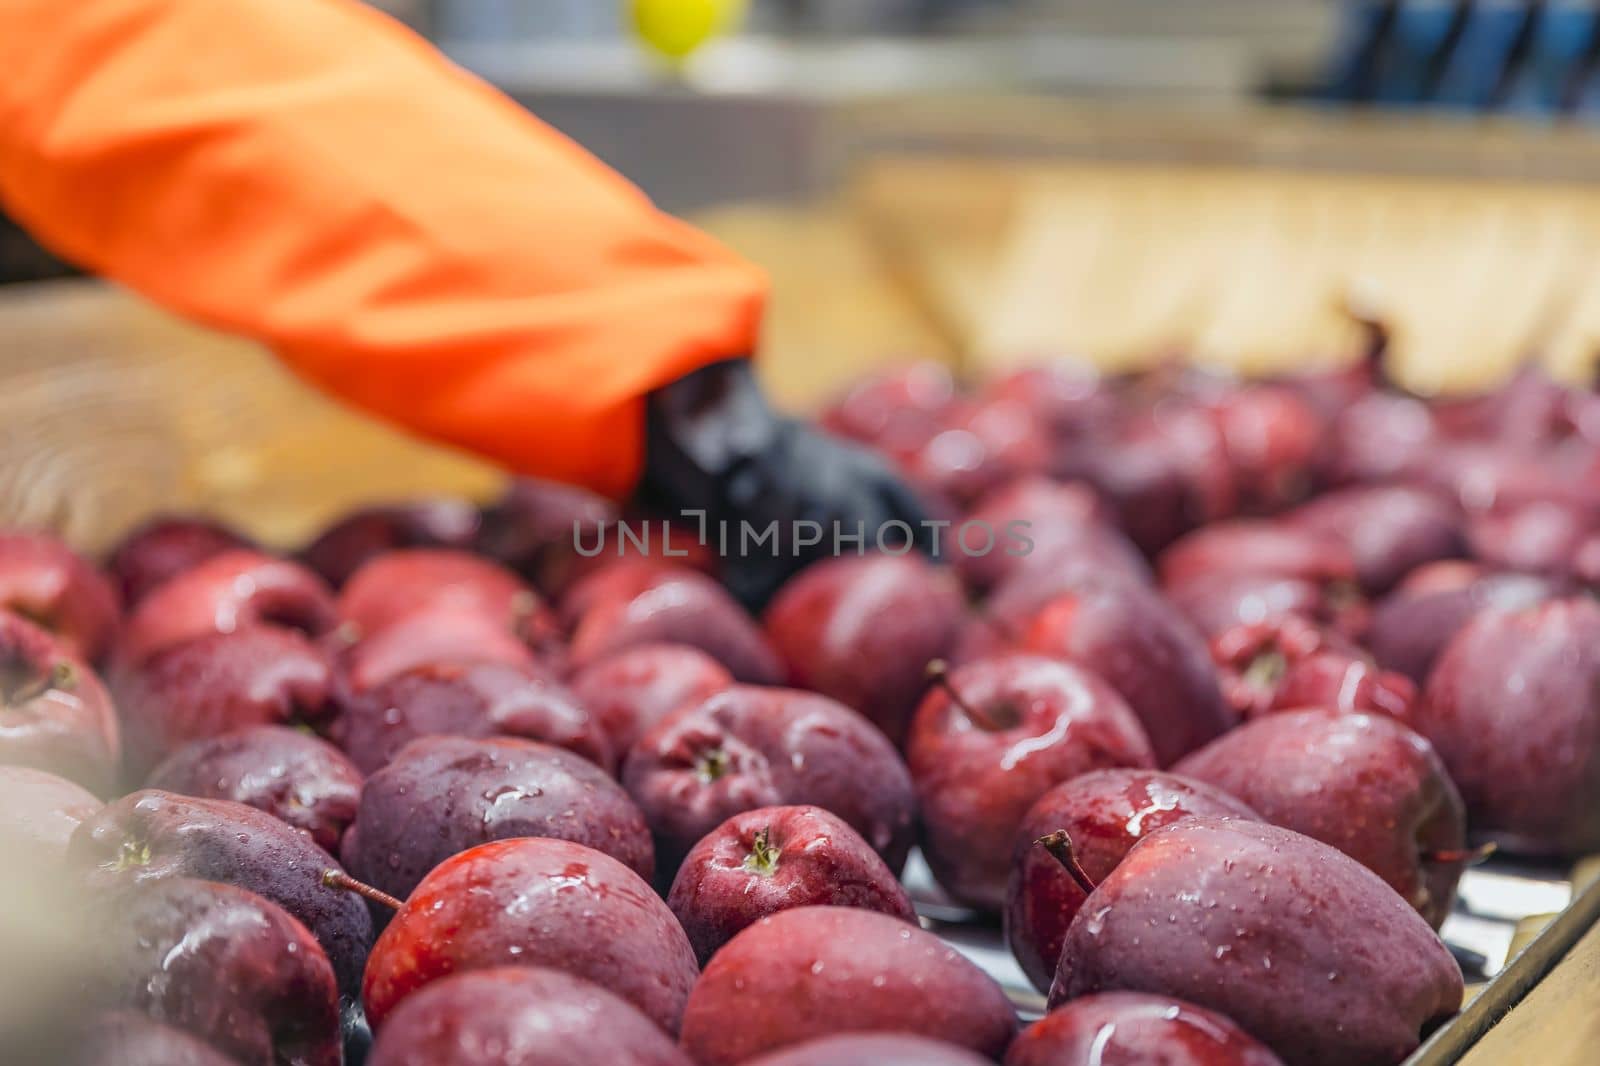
1257 269
111 410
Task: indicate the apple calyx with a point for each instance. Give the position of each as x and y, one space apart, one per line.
1059 845
1266 669
1461 856
339 879
938 672
19 685
131 853
763 857
712 765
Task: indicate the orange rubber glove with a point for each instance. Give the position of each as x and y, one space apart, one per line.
311 174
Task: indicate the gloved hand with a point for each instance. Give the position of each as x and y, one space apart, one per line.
714 445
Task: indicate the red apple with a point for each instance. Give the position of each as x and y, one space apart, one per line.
228 593
1104 814
862 630
899 408
1133 1028
344 547
392 586
528 1016
670 605
1389 530
1513 707
438 637
1258 546
297 778
1303 946
49 584
1152 657
751 747
989 741
477 700
1291 663
1364 783
629 692
215 684
817 971
54 713
40 813
534 901
1062 524
771 859
165 547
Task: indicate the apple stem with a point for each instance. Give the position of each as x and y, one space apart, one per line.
340 879
938 672
763 857
61 676
1059 845
1463 856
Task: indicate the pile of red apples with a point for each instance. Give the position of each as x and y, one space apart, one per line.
1282 659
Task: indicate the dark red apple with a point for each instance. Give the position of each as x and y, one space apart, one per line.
1165 471
774 858
54 713
629 692
438 637
863 629
980 443
215 684
989 741
1557 538
1071 399
1039 526
1363 783
871 1049
347 545
46 582
297 778
164 547
1132 1029
1217 603
391 586
537 527
535 901
1389 530
1258 546
1416 621
1104 813
1513 707
228 593
1291 663
1272 436
900 408
1380 437
1154 659
482 700
670 605
39 812
152 836
126 1038
1303 946
751 747
523 1016
442 795
224 964
817 971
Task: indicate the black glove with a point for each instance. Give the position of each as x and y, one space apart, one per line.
714 445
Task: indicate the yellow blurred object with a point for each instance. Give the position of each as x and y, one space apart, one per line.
676 28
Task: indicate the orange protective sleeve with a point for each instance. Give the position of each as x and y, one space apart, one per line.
313 175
